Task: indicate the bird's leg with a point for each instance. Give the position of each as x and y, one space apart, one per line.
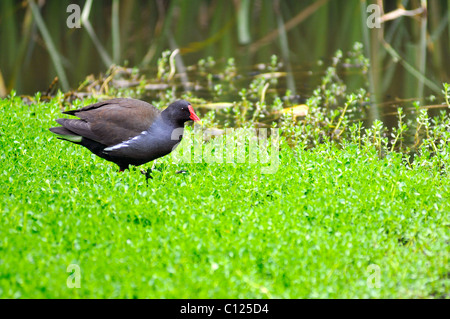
147 173
123 168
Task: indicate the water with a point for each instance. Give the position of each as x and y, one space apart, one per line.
299 33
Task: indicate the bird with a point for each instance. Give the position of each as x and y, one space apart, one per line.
126 131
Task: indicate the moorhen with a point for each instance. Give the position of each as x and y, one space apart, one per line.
127 131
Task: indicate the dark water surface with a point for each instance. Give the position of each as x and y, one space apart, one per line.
299 33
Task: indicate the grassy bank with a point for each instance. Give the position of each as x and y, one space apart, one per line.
331 219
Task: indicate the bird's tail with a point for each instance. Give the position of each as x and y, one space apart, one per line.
65 134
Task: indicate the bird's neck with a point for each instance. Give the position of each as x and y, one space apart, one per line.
164 128
170 121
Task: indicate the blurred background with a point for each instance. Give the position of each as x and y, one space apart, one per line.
409 53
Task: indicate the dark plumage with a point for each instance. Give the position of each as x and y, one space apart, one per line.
127 131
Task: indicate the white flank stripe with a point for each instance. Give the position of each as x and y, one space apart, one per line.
126 143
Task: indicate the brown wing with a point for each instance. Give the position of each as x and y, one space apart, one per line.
112 122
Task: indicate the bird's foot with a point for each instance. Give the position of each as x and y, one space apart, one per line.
147 173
